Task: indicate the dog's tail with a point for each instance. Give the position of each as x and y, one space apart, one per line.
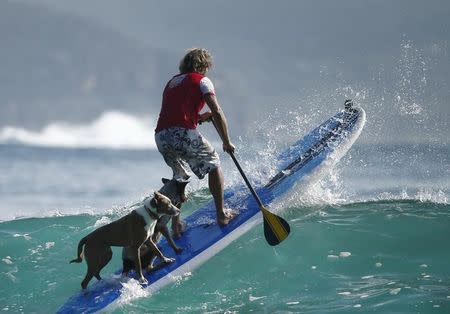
79 259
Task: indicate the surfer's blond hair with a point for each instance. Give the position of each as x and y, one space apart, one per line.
197 60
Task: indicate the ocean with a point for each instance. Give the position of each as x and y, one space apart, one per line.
371 236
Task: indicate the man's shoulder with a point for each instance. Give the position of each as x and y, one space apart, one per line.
192 79
178 79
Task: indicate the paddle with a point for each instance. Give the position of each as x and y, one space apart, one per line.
276 229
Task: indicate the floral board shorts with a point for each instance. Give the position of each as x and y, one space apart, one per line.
183 148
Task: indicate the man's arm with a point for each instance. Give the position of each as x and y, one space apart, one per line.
220 122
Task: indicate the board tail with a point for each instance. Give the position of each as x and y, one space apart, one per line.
79 259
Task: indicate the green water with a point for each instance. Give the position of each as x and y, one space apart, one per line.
378 257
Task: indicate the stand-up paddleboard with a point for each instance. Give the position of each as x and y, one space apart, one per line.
302 162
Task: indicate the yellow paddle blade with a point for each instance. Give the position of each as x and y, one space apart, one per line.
276 229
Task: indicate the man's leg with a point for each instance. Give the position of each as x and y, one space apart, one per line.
215 182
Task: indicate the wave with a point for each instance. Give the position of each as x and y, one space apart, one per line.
289 205
112 129
354 257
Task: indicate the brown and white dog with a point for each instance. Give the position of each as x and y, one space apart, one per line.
130 231
175 190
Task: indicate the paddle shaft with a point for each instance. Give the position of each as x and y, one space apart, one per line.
276 229
258 200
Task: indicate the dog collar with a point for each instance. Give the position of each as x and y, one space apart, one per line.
151 213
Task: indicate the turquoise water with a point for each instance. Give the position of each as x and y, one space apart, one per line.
371 237
384 256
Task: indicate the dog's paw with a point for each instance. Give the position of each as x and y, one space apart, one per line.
178 250
143 281
168 260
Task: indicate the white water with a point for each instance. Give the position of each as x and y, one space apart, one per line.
112 129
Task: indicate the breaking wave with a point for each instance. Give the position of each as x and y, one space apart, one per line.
112 129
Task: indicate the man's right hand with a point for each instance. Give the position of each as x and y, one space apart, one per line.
228 147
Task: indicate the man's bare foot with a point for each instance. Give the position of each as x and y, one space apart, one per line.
224 218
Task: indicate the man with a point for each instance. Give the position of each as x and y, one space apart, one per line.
176 134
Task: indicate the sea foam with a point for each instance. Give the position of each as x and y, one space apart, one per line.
112 129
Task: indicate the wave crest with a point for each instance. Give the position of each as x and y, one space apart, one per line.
112 129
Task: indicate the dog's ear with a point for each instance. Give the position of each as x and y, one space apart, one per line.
156 199
157 195
182 186
165 180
